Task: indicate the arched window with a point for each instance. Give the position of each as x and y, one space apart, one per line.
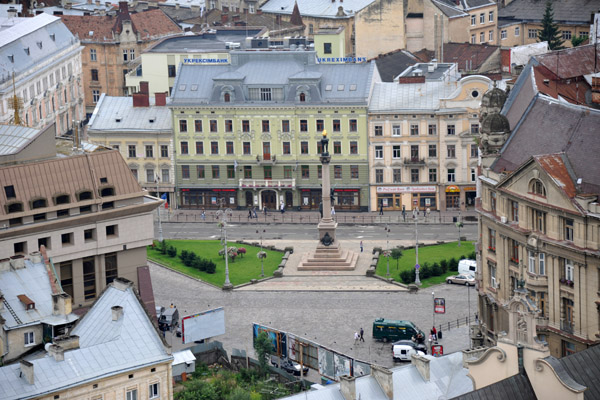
62 199
537 188
226 97
39 203
85 195
107 191
15 208
302 97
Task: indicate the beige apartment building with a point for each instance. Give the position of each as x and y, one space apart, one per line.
422 131
539 224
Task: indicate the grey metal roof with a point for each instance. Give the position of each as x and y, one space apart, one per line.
13 138
517 387
394 97
202 42
449 9
584 368
392 64
30 42
338 83
572 11
183 356
117 114
448 379
33 282
106 348
315 8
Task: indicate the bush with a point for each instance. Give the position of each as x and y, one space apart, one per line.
436 270
172 251
453 264
162 246
377 249
210 266
473 256
444 266
425 271
408 276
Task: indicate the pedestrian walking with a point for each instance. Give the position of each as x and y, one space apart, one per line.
332 210
249 213
361 246
362 332
381 208
282 207
254 212
356 337
265 210
203 215
404 213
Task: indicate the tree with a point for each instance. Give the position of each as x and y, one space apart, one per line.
396 254
549 32
263 348
577 40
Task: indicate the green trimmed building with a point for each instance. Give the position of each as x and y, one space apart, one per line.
248 134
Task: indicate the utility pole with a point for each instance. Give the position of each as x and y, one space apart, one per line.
160 231
223 216
417 266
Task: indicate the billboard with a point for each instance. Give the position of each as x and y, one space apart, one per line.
278 339
439 305
203 325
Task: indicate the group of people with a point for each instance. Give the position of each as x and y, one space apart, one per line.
358 336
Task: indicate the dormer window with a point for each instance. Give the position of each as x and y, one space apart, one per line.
227 97
40 44
302 97
85 195
107 191
26 50
14 207
39 203
227 94
62 199
11 58
53 37
537 188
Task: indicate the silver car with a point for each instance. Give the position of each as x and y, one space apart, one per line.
461 280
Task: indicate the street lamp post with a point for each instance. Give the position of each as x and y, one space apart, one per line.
459 225
223 216
416 217
160 231
262 262
433 306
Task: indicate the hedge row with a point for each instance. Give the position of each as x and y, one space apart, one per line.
189 258
428 270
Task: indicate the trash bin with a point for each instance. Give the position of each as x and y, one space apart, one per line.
439 334
454 219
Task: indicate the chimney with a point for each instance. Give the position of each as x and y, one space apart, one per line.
422 365
121 284
67 342
141 98
17 262
57 352
12 12
224 18
61 304
5 264
144 87
348 387
195 8
177 6
123 8
383 376
68 5
27 370
117 312
160 99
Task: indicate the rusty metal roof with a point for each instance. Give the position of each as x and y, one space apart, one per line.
555 166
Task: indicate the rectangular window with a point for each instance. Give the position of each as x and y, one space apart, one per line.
153 391
303 125
379 152
337 172
493 282
164 151
165 175
451 175
112 230
451 151
397 175
432 175
568 232
132 394
353 147
566 35
514 207
319 172
482 18
517 31
414 130
492 240
473 39
326 48
379 175
89 235
265 94
337 126
66 277
231 172
531 263
287 149
503 34
305 171
414 153
199 171
481 37
198 125
93 55
473 20
451 130
66 238
110 266
378 130
491 16
304 147
265 125
542 263
285 125
493 202
433 150
171 71
184 147
337 147
89 278
214 147
229 147
185 172
532 33
396 130
199 147
414 175
247 172
94 75
474 128
245 126
149 151
569 269
228 125
539 221
213 125
246 148
474 151
216 172
29 339
514 251
353 125
182 125
95 97
396 151
287 172
354 172
432 129
319 148
491 36
473 175
320 125
131 151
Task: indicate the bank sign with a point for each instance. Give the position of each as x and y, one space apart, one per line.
341 59
406 189
206 61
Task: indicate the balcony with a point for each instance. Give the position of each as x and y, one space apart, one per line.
266 159
567 326
414 161
566 282
267 183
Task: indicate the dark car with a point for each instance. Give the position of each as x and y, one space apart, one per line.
289 366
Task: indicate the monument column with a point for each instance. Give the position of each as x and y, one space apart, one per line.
327 225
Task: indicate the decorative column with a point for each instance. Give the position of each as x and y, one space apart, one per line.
327 225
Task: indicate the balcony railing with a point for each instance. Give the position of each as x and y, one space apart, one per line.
266 159
267 183
414 161
566 326
566 282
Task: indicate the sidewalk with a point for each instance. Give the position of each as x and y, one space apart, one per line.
313 217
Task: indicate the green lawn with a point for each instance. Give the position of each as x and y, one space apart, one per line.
242 270
428 254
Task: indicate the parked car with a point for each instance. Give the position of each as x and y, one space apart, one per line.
461 280
417 346
403 352
289 366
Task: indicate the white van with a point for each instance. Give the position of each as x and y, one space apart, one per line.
467 267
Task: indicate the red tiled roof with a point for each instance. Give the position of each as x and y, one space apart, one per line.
149 24
473 54
572 90
573 62
555 167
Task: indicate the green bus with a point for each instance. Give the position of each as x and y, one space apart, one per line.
389 329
